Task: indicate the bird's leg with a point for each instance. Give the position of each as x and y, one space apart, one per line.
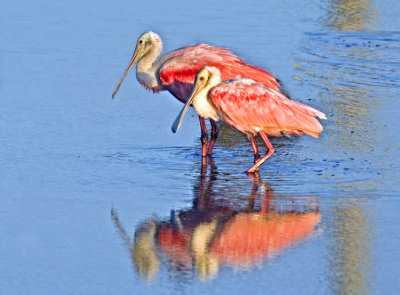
271 150
204 137
204 162
214 135
255 148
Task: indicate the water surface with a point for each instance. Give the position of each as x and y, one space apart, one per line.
99 197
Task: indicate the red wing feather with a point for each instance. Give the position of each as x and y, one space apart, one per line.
182 65
251 107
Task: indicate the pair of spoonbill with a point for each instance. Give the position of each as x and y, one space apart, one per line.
253 104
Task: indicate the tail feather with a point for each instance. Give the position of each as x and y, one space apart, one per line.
305 120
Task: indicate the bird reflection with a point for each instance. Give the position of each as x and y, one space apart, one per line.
221 229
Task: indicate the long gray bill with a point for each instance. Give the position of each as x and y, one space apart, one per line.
178 120
196 88
128 68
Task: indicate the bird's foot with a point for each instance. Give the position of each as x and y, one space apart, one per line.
252 170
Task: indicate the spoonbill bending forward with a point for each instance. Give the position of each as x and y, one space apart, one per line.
176 71
250 107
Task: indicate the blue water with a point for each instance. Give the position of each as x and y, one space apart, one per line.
88 184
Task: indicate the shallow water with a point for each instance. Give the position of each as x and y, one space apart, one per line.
99 197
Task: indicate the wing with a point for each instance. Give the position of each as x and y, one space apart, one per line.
182 66
251 107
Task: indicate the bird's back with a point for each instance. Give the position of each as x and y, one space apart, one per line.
250 107
179 68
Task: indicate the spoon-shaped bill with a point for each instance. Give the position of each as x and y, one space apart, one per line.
177 123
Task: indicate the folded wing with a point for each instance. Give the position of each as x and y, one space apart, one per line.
250 107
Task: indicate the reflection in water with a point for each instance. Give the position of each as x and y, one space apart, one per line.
346 80
350 260
351 15
221 230
346 70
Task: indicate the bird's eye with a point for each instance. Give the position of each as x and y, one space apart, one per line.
201 78
140 41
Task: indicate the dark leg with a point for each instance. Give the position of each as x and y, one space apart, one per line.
214 135
267 201
204 200
253 195
271 150
204 137
199 203
255 148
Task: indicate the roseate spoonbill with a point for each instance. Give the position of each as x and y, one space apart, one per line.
250 107
176 71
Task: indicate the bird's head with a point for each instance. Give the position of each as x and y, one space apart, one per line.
206 78
202 78
146 43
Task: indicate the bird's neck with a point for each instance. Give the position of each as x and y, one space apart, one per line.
147 68
203 104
